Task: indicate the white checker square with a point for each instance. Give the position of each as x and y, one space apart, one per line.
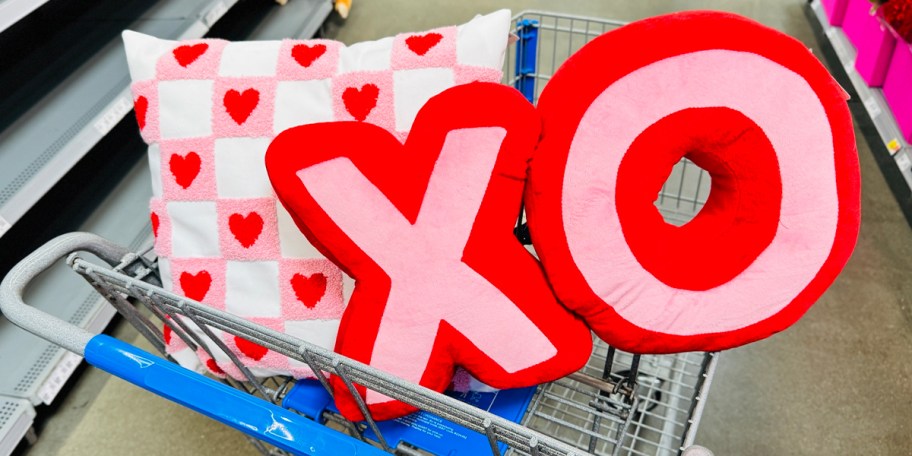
240 168
187 359
482 41
318 332
185 108
413 88
254 290
292 243
302 102
194 229
164 269
348 287
250 58
366 56
155 169
143 52
218 354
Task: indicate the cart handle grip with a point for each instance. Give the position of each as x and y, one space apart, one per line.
241 411
42 324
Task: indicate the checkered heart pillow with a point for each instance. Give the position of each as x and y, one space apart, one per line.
209 109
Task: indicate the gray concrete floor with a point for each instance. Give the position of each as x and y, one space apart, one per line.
838 382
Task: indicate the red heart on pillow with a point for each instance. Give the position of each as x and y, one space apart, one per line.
195 286
140 106
214 367
306 55
241 104
252 350
246 229
185 168
187 54
360 102
155 223
421 44
309 290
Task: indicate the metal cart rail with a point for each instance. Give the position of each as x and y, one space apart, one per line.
618 404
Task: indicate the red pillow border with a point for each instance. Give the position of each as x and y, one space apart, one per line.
585 76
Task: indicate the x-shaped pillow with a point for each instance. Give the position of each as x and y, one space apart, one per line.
425 228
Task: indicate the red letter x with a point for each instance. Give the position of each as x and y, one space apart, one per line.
425 229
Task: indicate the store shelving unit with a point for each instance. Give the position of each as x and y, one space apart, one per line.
16 417
38 150
13 10
873 114
60 129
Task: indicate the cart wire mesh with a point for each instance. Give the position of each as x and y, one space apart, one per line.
544 41
619 404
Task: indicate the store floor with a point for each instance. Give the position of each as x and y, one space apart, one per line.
838 382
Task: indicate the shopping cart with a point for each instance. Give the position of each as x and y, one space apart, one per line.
618 404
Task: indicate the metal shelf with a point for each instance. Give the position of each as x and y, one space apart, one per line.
872 98
11 11
46 142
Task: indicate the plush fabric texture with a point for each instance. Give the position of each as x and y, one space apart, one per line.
748 104
440 279
209 109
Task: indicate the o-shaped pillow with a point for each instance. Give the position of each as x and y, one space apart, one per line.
746 103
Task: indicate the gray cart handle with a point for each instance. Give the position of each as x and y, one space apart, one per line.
41 324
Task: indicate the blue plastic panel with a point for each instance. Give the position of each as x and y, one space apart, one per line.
255 417
526 51
309 398
421 429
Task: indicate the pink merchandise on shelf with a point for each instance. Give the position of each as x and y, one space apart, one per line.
872 39
897 88
835 10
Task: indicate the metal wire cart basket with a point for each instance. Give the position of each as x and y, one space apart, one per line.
618 404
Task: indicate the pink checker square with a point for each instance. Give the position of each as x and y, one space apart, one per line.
195 59
311 59
161 226
248 229
310 289
364 96
200 279
188 169
466 74
243 107
254 355
145 107
434 48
